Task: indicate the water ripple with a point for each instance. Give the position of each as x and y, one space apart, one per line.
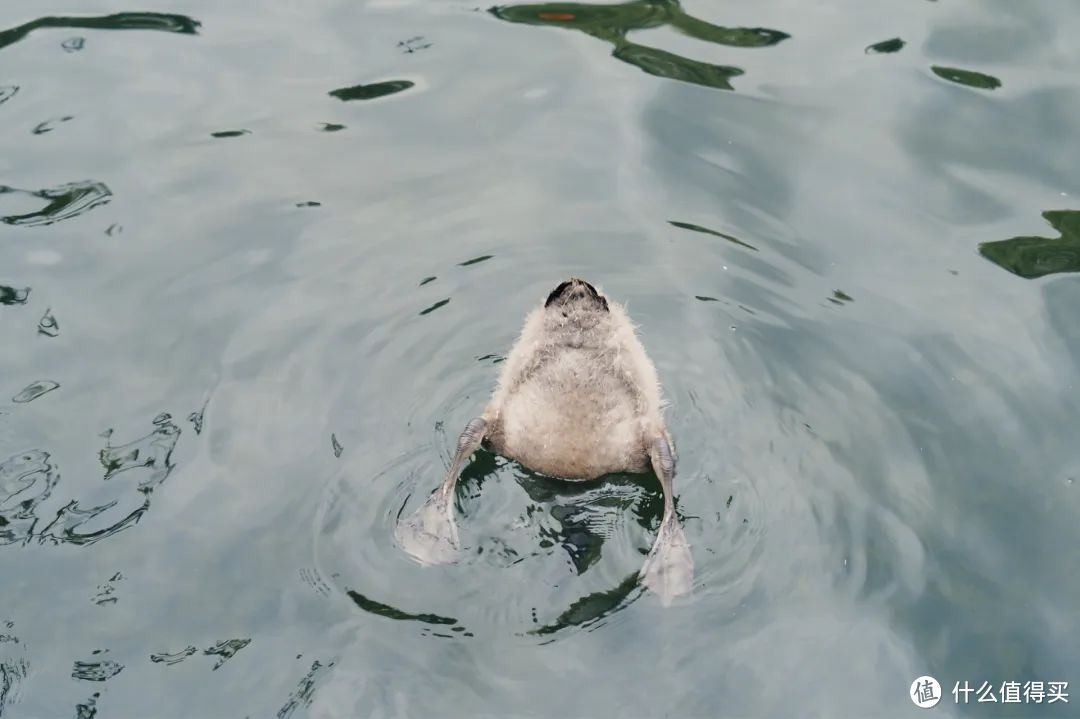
96 671
48 325
473 261
613 23
372 91
226 650
49 125
197 417
385 610
165 22
26 480
34 390
437 305
413 44
66 527
305 690
174 658
970 78
13 295
106 592
230 133
1032 257
14 666
88 709
886 46
62 203
707 231
152 452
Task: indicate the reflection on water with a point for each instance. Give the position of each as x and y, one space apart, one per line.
578 517
1032 257
466 263
66 527
98 671
120 21
871 474
967 77
13 295
49 125
28 479
613 23
174 658
435 306
886 46
839 297
107 592
14 667
705 230
48 325
61 203
225 650
88 709
153 452
197 417
34 390
372 91
592 608
305 690
413 44
385 610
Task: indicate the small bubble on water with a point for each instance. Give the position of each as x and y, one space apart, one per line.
1070 481
733 328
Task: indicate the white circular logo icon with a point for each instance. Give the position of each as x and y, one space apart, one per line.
925 692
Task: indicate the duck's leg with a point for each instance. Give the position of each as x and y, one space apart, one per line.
669 568
429 534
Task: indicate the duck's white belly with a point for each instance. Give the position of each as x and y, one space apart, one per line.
573 418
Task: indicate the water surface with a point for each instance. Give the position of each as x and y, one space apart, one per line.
259 264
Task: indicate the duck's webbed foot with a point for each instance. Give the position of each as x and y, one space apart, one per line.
669 568
429 534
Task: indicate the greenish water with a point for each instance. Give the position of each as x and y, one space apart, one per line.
259 263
